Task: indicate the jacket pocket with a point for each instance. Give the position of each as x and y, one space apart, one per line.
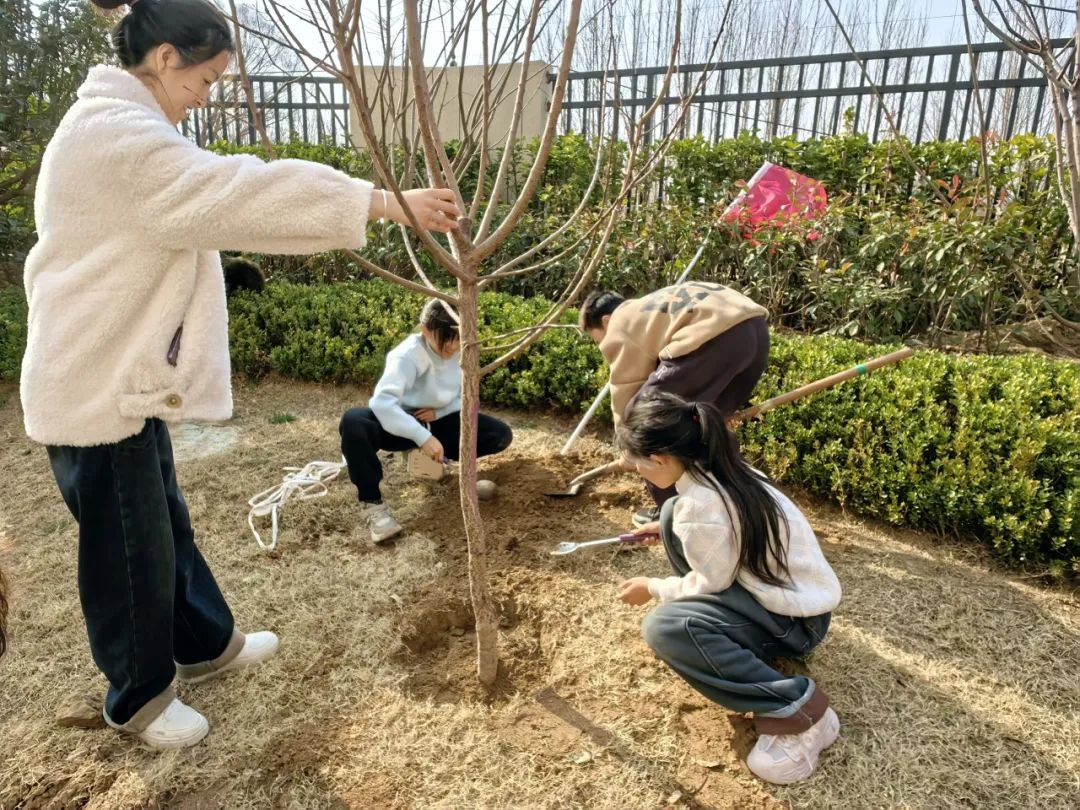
153 388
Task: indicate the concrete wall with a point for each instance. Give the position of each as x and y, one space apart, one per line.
448 105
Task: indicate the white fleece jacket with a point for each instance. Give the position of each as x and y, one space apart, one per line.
130 216
711 545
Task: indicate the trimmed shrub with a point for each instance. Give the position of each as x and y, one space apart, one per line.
891 260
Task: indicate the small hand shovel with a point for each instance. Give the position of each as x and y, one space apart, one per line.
569 548
421 465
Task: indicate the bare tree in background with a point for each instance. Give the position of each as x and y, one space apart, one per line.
358 44
263 51
753 30
1029 28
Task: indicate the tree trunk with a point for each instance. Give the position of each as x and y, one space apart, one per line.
487 624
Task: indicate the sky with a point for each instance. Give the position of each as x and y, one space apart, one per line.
940 22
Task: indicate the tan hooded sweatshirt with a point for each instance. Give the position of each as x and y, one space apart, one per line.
666 324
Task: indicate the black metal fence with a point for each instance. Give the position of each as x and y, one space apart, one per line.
311 108
931 93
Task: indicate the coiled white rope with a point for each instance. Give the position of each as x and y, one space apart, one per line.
299 483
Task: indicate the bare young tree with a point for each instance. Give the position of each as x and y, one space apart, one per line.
398 60
1030 29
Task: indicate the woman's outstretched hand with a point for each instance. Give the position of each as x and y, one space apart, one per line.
434 208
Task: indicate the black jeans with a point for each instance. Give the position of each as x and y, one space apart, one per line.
719 642
363 436
149 598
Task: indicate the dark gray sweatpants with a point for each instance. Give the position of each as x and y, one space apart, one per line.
718 643
722 371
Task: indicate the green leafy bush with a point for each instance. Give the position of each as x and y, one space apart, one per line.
13 314
897 255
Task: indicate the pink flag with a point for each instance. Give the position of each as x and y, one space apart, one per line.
775 194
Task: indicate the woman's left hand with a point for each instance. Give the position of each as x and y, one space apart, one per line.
635 591
425 415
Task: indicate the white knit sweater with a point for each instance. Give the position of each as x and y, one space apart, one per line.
711 545
130 216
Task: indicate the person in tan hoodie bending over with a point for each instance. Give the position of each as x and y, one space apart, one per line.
703 342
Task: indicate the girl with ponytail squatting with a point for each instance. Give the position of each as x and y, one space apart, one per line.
128 331
750 582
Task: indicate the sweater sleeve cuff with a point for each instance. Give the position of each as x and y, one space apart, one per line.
656 588
419 434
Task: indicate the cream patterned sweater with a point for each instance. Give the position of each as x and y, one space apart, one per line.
130 218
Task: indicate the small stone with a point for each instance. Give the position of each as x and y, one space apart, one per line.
582 758
485 490
711 764
675 797
80 711
457 631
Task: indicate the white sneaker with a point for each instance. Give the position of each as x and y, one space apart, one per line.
257 648
786 758
179 726
381 522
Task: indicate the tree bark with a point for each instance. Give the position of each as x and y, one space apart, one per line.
487 622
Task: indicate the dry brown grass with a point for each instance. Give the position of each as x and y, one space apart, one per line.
956 683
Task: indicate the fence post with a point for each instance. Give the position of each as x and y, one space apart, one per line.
946 107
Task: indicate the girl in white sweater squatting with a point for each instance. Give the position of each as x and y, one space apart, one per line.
416 403
128 331
750 582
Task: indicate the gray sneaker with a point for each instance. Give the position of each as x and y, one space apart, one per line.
381 522
644 516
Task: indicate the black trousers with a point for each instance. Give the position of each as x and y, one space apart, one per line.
363 436
148 596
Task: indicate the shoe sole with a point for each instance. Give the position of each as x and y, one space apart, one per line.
225 670
192 739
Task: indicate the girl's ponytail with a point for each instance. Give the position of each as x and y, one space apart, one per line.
697 435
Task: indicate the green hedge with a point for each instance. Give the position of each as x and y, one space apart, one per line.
892 260
985 447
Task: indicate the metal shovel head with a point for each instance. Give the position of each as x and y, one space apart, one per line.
584 478
569 493
564 548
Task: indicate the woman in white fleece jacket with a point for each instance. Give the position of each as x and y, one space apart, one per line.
750 582
128 330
